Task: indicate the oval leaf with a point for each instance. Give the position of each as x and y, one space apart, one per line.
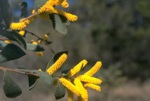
46 78
35 48
14 36
6 12
60 91
58 24
32 81
11 52
11 89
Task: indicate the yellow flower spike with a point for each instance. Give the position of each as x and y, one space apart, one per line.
65 4
7 41
57 2
69 16
77 68
52 69
70 95
89 79
45 37
94 69
69 86
22 32
38 53
83 92
17 26
92 86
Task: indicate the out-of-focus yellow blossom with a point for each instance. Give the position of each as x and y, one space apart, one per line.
38 53
7 41
89 79
77 68
92 86
20 25
48 8
52 69
94 69
70 86
45 37
83 92
70 95
22 32
65 4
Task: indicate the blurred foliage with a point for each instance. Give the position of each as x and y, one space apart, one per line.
120 33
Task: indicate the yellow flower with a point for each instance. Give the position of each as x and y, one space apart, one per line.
22 32
45 37
38 53
89 79
65 4
69 86
83 92
92 86
70 95
7 41
94 69
77 68
52 69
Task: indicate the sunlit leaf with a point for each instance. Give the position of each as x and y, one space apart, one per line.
33 47
11 52
11 89
6 12
58 24
32 81
60 91
39 3
14 36
46 78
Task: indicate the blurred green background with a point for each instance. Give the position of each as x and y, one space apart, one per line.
117 32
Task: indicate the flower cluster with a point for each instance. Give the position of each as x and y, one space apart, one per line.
45 10
77 84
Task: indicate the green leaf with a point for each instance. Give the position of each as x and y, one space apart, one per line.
46 78
64 20
60 91
11 89
6 12
11 52
39 3
58 24
2 44
32 81
14 36
33 47
23 8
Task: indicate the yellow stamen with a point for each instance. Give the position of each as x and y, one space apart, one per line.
52 69
69 86
77 68
89 79
22 32
94 69
93 86
83 92
7 41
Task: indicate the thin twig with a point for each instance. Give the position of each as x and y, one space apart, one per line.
17 71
